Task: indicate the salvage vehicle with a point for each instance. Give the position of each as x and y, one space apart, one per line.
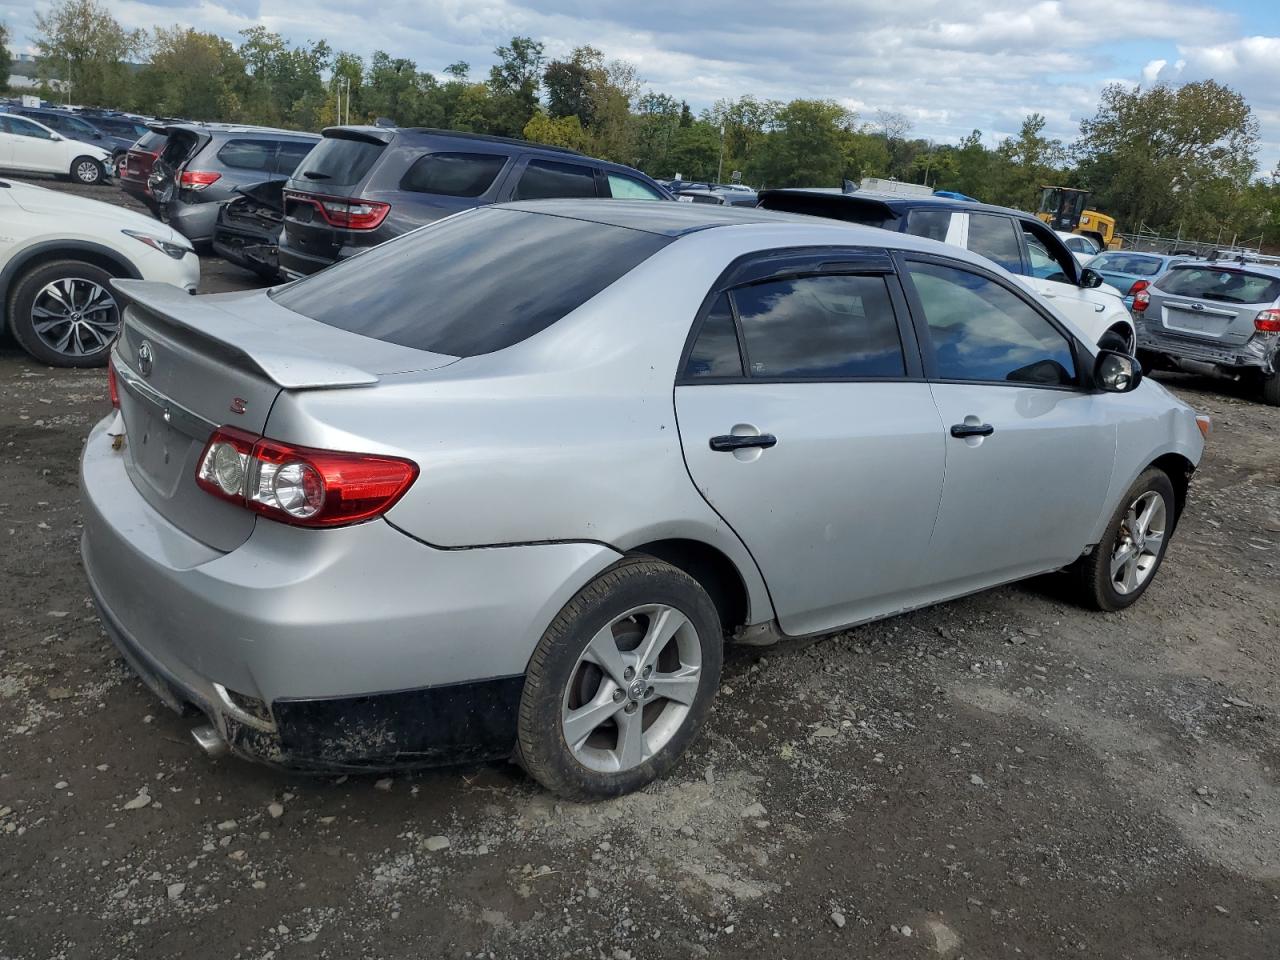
248 229
28 146
1130 270
356 534
1217 318
1082 248
133 172
1016 241
58 255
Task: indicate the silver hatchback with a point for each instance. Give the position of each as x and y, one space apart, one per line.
505 486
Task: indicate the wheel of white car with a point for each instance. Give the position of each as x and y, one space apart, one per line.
621 682
87 170
1118 338
1123 565
64 314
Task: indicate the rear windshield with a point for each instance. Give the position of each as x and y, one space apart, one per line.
1133 264
474 283
1227 286
338 161
151 141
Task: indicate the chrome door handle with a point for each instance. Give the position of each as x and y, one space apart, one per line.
728 442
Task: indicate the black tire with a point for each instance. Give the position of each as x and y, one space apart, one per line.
22 323
1271 390
634 582
1095 586
88 171
1114 340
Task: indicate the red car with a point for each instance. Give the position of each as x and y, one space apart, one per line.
135 168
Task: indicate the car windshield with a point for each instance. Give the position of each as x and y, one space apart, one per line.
473 283
1131 263
1228 286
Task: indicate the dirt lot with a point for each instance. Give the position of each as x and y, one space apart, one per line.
1001 776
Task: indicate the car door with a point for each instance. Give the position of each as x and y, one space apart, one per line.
807 426
1053 273
35 149
1029 451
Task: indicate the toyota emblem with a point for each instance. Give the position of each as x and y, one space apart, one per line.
146 358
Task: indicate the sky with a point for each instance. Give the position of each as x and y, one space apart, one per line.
950 66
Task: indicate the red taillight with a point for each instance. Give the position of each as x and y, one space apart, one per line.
301 485
197 179
346 212
1141 300
123 166
1138 286
113 388
1268 321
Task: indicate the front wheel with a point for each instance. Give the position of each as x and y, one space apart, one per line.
621 682
87 170
1123 565
64 314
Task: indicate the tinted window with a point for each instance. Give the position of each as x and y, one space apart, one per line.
473 283
248 154
24 128
151 141
290 154
715 352
996 238
828 326
1131 263
338 161
454 174
543 179
1228 286
628 188
981 331
929 223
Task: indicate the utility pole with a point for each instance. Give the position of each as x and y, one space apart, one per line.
720 165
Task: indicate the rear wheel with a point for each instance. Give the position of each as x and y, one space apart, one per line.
1271 390
621 682
87 170
64 314
1125 562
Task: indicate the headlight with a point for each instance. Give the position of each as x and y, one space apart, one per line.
175 250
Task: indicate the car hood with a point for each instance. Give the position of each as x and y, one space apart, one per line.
40 200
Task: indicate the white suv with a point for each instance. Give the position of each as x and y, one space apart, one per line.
58 255
32 147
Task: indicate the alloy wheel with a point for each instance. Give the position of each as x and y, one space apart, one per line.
631 688
75 317
87 171
1137 548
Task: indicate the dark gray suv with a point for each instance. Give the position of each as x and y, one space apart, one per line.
202 165
363 185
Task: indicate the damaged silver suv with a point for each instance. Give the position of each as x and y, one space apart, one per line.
1220 318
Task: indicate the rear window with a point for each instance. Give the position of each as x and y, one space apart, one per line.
150 141
932 224
292 153
338 161
473 283
248 154
545 179
453 174
1130 263
1228 286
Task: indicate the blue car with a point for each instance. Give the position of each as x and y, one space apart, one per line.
1124 268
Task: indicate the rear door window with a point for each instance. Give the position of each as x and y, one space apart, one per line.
547 179
453 174
474 283
820 327
339 162
24 128
996 238
1226 286
248 154
290 154
715 352
629 188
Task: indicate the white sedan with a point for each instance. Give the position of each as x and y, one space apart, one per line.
58 255
1082 248
31 147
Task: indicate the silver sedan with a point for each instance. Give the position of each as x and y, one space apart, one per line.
507 485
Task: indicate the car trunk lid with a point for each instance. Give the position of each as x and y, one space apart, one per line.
1212 303
187 365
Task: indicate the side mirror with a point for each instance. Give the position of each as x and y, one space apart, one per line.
1090 278
56 136
1115 372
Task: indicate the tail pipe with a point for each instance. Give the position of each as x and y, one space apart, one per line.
209 740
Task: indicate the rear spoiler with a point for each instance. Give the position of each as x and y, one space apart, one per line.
378 135
251 344
836 206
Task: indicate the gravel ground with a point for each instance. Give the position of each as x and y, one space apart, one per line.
1001 776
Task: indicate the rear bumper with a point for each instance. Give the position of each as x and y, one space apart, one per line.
354 648
294 264
252 250
1257 353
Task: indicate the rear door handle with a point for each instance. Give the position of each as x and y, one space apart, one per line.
962 430
730 442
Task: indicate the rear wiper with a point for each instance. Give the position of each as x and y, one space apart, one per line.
316 175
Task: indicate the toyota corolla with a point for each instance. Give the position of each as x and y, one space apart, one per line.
505 486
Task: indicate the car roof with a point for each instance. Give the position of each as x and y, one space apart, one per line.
231 128
891 206
665 218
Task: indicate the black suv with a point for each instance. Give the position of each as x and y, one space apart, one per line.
363 185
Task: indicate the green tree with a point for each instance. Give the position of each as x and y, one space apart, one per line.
555 131
80 42
285 87
1169 156
1027 162
806 147
970 171
745 123
191 74
695 152
5 60
391 89
513 85
657 122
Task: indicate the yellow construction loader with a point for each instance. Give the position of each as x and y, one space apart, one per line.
1065 208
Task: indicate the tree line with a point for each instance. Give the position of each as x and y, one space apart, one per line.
1172 159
